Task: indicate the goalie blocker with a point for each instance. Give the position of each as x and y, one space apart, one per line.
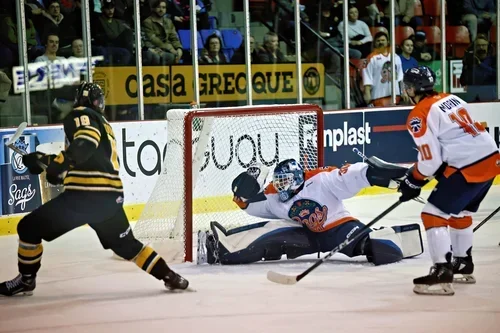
270 240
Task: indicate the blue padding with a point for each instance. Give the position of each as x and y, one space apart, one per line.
384 251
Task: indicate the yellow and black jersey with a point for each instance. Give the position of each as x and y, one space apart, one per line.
91 137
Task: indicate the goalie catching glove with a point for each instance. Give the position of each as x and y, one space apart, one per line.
57 169
410 187
249 183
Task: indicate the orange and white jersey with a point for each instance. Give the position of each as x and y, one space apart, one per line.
377 73
444 131
319 204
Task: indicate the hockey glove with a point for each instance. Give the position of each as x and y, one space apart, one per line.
57 169
410 187
245 186
249 183
36 162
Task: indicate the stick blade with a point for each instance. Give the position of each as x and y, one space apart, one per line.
19 131
281 278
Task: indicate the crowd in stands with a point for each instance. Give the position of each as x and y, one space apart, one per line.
54 31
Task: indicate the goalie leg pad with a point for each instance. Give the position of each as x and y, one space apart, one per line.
388 245
331 238
260 241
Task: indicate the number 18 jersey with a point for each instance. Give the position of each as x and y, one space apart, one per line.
100 172
444 131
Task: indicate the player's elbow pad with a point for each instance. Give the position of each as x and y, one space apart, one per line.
80 151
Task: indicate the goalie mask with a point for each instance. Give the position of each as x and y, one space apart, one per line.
287 178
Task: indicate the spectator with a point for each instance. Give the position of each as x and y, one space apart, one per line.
213 53
404 12
57 23
51 48
239 55
285 21
406 59
113 35
270 52
5 84
479 14
179 11
162 44
360 37
8 37
421 51
377 74
479 63
327 27
77 49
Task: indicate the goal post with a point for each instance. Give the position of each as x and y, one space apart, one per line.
206 150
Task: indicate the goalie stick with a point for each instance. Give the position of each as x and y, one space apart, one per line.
288 279
11 142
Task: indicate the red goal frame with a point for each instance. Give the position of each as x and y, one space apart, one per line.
241 112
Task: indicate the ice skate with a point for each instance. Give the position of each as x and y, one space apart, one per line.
463 267
201 257
19 285
438 282
174 281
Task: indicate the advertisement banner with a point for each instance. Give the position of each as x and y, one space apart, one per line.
455 73
141 147
436 68
57 74
344 131
20 189
390 139
173 84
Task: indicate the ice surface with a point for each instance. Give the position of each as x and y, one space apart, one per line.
80 289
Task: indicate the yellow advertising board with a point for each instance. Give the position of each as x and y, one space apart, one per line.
223 83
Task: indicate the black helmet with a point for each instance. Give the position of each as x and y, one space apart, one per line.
422 78
90 95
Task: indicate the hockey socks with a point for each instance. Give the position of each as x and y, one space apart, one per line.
151 262
29 257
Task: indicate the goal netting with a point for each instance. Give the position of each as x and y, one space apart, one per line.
206 150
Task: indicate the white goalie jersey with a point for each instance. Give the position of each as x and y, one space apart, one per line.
319 204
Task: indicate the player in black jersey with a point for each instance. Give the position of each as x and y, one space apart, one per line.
93 195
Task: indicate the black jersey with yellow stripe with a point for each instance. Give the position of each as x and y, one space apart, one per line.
100 171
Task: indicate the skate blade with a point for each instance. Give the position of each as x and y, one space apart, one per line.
464 279
180 291
441 289
20 294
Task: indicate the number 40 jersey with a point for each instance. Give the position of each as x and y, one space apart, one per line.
95 139
444 132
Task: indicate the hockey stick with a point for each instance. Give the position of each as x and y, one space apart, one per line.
363 156
11 142
287 279
486 219
19 131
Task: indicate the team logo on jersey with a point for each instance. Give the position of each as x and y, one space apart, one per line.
415 124
309 213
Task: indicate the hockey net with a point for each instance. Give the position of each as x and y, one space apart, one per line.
206 150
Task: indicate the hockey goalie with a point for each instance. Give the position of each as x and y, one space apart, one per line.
304 214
